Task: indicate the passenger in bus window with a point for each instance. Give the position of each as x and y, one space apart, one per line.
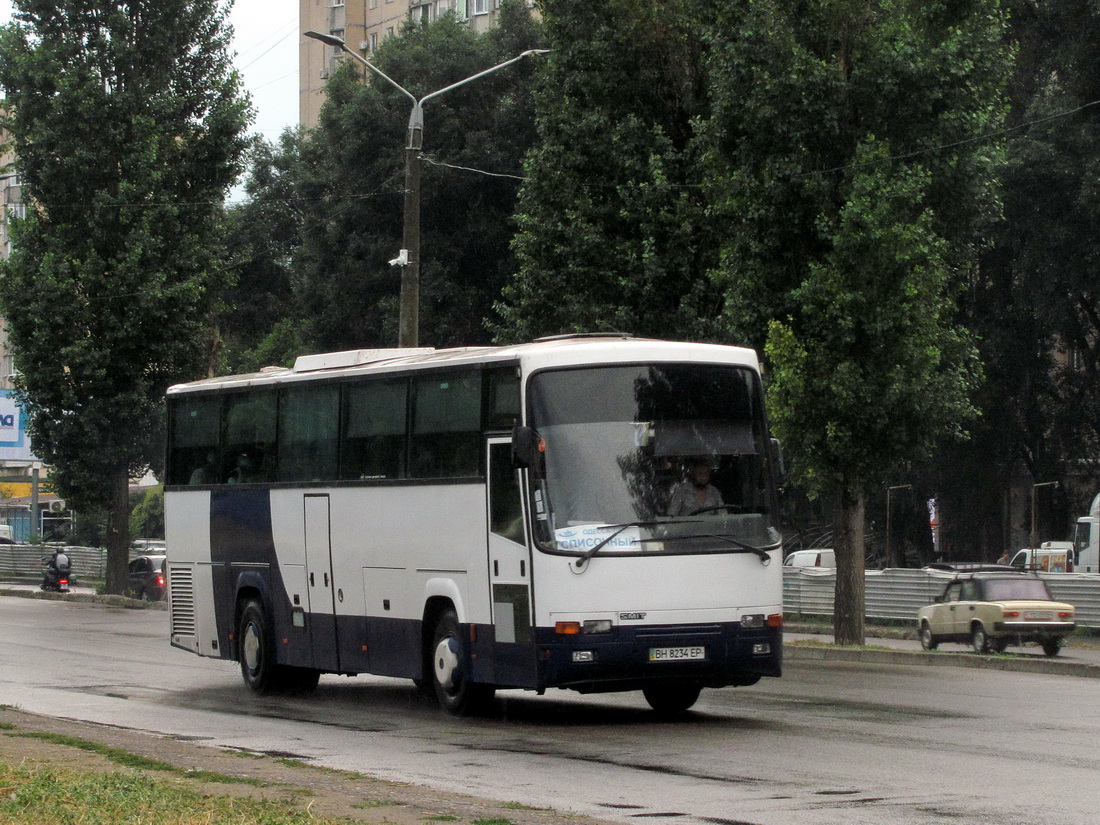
208 472
694 492
246 470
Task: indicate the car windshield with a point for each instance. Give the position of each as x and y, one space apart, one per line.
639 455
1001 590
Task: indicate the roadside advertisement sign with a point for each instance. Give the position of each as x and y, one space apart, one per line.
14 443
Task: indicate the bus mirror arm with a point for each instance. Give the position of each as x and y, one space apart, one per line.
777 457
527 448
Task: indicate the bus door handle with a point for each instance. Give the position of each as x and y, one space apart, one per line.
311 582
326 579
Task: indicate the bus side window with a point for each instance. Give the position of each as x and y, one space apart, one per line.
446 431
194 430
309 423
374 430
249 454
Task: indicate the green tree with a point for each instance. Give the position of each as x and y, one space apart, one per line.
127 121
612 232
256 324
848 168
147 513
350 179
1037 305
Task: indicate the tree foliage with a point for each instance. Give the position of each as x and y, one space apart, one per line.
1038 302
845 144
612 233
127 122
350 181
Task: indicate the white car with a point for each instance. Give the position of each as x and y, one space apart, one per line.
993 610
819 557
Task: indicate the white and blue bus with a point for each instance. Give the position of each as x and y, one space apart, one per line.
482 518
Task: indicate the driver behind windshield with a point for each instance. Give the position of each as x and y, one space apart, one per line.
694 492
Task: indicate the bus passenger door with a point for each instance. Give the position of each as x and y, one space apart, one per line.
513 653
321 589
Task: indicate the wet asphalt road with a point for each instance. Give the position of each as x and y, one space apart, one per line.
830 742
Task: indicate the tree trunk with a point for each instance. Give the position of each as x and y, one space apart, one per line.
118 533
848 610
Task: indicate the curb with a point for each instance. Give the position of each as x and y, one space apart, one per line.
794 651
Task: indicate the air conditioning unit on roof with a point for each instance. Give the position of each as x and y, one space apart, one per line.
58 506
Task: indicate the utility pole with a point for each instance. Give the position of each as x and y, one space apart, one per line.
409 257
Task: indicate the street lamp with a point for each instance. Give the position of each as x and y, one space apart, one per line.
890 558
408 328
1034 504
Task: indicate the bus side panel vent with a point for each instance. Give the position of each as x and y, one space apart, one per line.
182 588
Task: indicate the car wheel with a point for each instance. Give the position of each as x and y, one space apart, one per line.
998 645
1051 647
978 638
450 678
671 699
928 639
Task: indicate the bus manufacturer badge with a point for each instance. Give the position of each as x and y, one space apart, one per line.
631 617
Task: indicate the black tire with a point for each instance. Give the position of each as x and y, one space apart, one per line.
928 640
256 650
454 691
998 645
978 638
1052 647
671 698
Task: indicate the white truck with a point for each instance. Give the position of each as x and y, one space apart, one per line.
1086 539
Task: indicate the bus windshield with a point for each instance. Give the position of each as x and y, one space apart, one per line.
655 458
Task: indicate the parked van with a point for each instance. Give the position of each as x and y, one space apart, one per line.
1086 540
1049 557
821 557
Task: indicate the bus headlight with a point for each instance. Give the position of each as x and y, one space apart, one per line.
584 656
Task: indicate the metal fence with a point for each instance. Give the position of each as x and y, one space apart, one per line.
24 561
808 591
899 594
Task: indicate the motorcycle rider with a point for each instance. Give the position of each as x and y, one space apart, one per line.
58 568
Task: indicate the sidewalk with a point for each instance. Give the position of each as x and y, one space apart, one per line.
897 645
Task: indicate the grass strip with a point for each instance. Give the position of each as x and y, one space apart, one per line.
43 796
133 760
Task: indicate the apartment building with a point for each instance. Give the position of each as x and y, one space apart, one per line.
363 25
10 206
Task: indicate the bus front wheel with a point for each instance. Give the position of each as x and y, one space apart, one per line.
450 677
669 699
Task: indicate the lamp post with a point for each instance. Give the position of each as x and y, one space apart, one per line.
1034 538
889 490
408 259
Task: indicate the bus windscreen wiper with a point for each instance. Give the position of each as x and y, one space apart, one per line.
596 548
762 552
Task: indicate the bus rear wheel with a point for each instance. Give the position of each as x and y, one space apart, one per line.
257 649
257 657
669 699
450 677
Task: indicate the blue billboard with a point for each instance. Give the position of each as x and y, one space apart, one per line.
14 443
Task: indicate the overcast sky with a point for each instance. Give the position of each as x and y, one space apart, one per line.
266 40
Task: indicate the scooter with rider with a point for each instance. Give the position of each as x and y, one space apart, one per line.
58 575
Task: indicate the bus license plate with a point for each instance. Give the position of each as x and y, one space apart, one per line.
676 654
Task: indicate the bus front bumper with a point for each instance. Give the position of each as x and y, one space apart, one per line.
629 658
